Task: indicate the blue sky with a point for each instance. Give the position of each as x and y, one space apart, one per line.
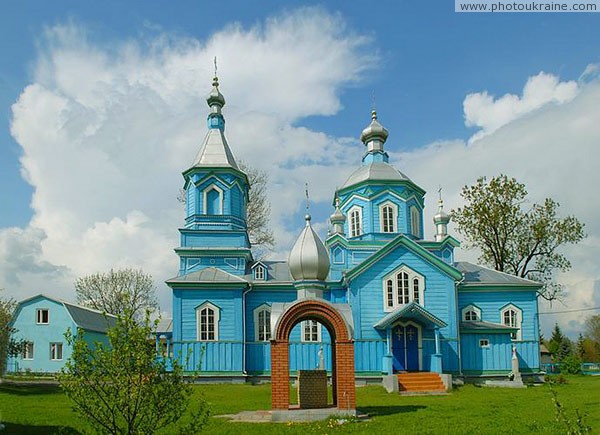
441 81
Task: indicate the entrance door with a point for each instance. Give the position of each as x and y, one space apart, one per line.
405 347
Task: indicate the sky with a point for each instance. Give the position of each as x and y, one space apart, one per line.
102 106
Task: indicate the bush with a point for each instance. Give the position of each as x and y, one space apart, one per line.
571 365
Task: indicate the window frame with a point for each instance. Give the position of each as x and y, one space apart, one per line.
514 336
56 350
415 221
38 311
352 221
267 326
28 353
484 343
394 217
471 308
401 296
318 332
216 317
205 192
260 273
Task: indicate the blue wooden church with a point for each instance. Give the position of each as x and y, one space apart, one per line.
413 307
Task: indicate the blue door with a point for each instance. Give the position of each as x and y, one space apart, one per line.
405 348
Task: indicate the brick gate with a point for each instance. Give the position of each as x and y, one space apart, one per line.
344 395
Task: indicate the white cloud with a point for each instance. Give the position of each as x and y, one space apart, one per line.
106 131
489 114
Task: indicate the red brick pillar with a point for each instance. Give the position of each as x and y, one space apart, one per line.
280 374
345 385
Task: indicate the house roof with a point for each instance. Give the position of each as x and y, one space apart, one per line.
207 275
410 311
85 318
480 326
165 325
476 275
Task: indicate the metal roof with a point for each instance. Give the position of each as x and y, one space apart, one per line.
278 271
475 274
410 311
308 259
207 275
481 326
215 151
164 325
378 171
89 319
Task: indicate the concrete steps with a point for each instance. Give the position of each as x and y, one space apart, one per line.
421 382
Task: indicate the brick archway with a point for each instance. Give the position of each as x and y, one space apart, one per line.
344 395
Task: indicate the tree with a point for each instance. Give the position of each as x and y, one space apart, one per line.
559 345
124 387
513 239
9 345
117 292
592 328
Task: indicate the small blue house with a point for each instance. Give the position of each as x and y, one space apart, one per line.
42 321
413 307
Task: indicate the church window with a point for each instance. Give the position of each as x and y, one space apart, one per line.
402 287
213 200
484 342
388 214
512 316
415 222
262 321
355 221
207 319
311 331
259 273
471 313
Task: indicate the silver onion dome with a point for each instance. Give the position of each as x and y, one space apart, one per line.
441 217
337 216
374 130
308 260
215 98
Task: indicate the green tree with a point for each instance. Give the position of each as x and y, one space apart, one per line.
124 387
559 345
9 345
513 238
118 292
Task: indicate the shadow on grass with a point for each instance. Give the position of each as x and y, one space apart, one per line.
375 411
29 390
12 428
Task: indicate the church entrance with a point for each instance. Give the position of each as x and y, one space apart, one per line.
405 347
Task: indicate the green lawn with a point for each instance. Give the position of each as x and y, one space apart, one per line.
469 409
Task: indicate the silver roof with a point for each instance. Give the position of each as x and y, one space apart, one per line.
278 271
480 325
309 259
164 325
207 275
475 274
215 151
378 171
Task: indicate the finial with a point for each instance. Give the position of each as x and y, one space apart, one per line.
215 60
307 198
440 200
337 201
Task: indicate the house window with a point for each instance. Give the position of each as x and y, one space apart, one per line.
388 213
402 287
207 319
311 331
415 222
28 350
262 322
56 351
43 316
511 316
213 200
471 313
355 221
484 342
259 273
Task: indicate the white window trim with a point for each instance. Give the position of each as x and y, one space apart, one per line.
205 198
393 277
519 321
263 273
52 358
37 314
468 308
217 311
263 307
485 345
415 224
27 356
351 221
394 217
319 332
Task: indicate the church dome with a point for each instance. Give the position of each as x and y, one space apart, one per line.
377 171
215 97
374 130
308 259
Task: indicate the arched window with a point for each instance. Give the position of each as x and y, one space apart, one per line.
415 222
259 273
207 321
471 313
512 316
355 221
388 215
213 200
401 287
262 322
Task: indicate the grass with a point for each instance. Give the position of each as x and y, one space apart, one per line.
45 409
